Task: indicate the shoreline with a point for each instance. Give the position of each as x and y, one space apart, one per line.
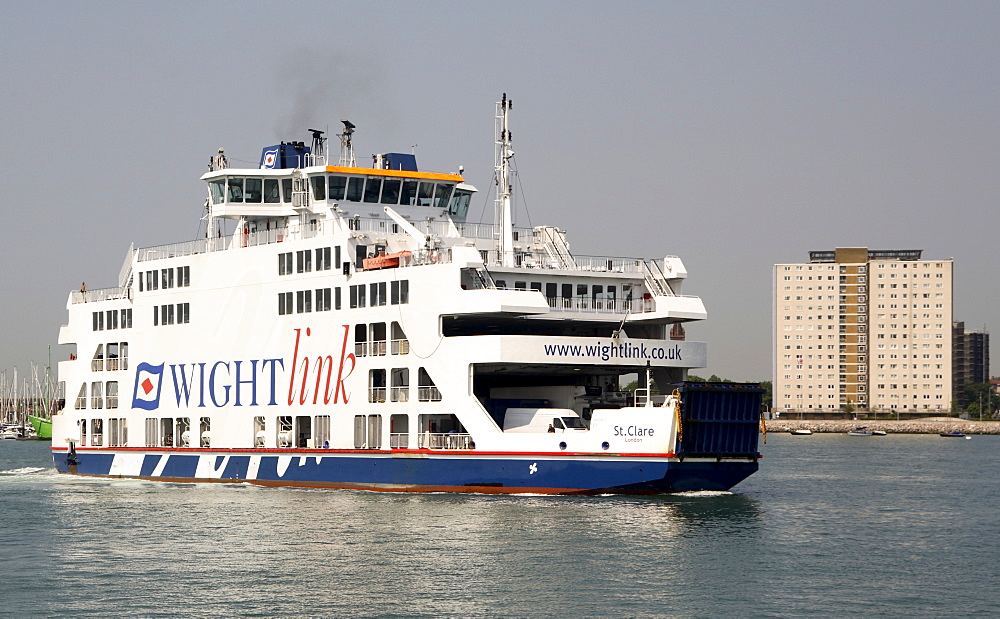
930 425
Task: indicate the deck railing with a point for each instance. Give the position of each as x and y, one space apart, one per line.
451 440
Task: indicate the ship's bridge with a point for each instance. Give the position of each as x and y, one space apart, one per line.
236 193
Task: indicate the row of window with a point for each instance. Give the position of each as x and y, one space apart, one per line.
370 340
399 294
165 279
112 319
372 189
399 388
303 301
117 357
117 435
434 431
98 400
179 313
376 189
304 260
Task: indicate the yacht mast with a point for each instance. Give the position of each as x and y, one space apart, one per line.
504 219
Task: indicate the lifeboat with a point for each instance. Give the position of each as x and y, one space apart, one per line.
386 261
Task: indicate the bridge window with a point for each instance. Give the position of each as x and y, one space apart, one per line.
253 190
408 194
319 187
337 187
217 188
390 191
425 194
372 189
442 195
234 190
286 190
355 188
460 203
271 195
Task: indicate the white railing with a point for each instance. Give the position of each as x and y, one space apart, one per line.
428 394
400 347
399 440
451 440
376 395
100 294
174 250
598 306
400 394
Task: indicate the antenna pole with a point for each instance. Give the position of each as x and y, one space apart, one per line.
504 219
346 148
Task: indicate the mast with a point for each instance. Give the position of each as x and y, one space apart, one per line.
346 147
504 220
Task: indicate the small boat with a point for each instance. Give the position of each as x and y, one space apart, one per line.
878 432
388 261
801 432
12 431
954 434
860 431
42 426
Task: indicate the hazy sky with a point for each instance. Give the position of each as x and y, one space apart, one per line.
735 135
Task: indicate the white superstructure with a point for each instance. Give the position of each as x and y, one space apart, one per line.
357 311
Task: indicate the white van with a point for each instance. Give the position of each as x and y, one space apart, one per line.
542 419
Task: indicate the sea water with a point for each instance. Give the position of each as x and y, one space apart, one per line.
830 525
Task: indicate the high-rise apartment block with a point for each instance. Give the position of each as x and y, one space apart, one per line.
868 330
970 359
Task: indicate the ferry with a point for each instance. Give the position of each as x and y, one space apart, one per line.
342 326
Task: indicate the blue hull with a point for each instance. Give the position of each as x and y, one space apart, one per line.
418 472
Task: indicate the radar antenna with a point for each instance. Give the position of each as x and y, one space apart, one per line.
346 148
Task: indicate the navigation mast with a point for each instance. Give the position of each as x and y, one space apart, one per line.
346 148
504 219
